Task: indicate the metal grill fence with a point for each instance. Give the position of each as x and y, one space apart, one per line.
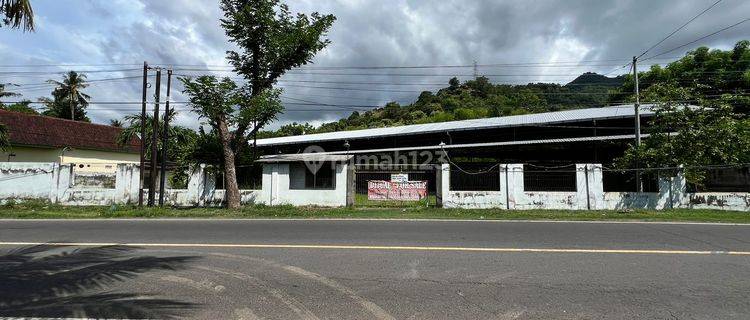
250 177
625 180
726 179
475 177
558 178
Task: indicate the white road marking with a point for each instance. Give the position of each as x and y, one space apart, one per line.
386 248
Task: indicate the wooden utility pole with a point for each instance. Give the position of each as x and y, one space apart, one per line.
637 107
165 139
142 166
72 106
154 141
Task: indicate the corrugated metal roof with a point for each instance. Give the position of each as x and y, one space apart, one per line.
304 157
478 145
623 111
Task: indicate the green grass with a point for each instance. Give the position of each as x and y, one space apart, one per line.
361 200
38 210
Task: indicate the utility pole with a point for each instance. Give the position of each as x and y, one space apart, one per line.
154 142
637 107
142 166
72 106
165 138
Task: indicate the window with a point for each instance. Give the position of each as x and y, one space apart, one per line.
301 177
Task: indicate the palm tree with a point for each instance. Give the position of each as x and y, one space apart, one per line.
6 94
17 14
69 92
115 123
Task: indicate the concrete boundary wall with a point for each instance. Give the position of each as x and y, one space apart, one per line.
21 181
589 194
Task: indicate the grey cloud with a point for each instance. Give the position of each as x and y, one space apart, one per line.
419 32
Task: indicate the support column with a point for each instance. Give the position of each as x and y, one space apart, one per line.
196 185
589 186
511 185
442 183
126 184
62 182
672 191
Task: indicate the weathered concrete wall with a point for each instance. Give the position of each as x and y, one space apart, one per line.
55 183
475 199
277 191
590 195
718 200
26 180
59 183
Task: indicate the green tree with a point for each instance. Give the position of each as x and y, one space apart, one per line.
707 73
271 41
224 105
17 14
690 136
23 106
115 123
7 94
68 100
179 145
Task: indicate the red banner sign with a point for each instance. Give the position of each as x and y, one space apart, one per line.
392 190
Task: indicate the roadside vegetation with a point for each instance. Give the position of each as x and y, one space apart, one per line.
41 210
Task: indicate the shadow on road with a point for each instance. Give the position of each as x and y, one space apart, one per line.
50 281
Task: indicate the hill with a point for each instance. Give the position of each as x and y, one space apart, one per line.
478 98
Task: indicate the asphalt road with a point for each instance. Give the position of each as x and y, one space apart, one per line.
282 269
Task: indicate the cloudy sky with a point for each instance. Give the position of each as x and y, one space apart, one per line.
511 41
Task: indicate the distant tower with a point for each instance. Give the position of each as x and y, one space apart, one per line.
476 70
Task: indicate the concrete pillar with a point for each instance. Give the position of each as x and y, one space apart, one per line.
126 184
511 184
196 185
270 189
589 187
63 178
442 183
55 179
672 191
267 184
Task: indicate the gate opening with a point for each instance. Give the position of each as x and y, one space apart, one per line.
395 186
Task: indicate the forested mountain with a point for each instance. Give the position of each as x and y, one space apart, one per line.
473 99
704 73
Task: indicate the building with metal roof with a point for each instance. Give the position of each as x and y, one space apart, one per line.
548 145
540 119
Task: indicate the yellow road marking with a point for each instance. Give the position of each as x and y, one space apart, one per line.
370 247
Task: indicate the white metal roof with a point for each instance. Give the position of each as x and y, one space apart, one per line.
302 157
474 145
623 111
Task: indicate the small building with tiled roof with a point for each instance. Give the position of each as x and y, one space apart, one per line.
36 138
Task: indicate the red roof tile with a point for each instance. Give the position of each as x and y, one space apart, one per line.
36 130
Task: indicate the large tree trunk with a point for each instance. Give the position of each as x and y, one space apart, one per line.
230 174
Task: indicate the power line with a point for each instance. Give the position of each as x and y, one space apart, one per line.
678 29
66 71
699 39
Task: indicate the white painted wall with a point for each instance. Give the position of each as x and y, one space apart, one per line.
52 182
672 194
277 191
